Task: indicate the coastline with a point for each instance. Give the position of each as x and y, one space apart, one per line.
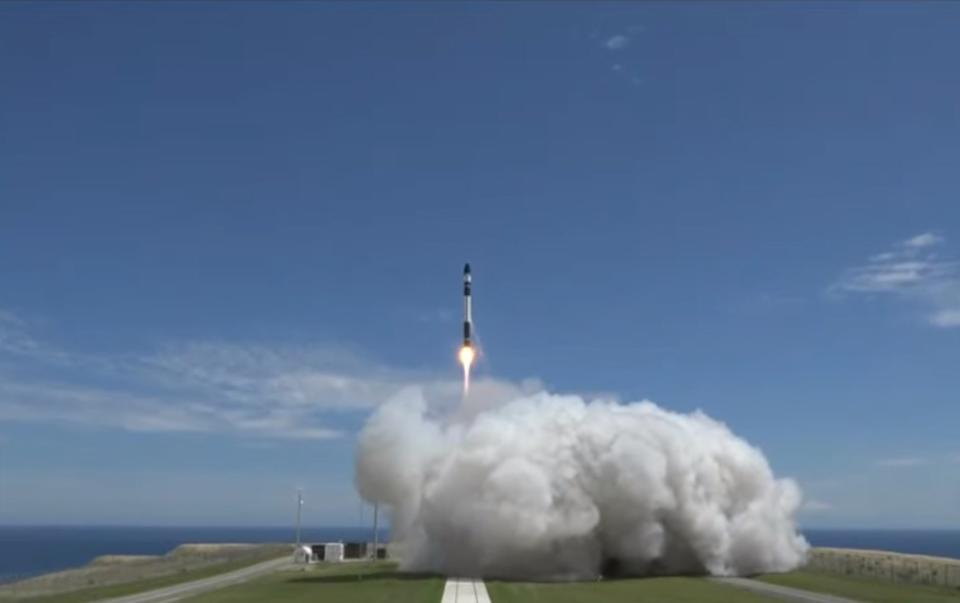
188 559
32 550
185 562
886 565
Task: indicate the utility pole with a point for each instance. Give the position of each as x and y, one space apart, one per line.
376 530
299 510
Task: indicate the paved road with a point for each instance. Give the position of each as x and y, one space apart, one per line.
783 592
465 590
186 589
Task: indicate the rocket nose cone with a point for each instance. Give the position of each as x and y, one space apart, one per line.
466 268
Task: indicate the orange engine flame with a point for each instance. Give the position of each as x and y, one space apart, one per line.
466 356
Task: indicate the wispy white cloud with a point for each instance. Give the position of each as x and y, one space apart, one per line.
914 271
926 239
623 65
295 377
815 506
946 318
13 334
277 391
617 42
75 403
903 461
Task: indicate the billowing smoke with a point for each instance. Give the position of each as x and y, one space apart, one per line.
553 487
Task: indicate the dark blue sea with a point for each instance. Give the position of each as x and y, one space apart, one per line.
30 550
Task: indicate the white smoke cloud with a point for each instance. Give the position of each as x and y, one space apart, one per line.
549 486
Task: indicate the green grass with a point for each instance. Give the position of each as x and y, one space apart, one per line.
96 593
871 590
342 583
379 583
640 590
368 583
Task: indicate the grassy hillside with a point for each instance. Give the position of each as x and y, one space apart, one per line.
107 577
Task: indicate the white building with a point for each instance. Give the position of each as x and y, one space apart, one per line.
303 554
325 551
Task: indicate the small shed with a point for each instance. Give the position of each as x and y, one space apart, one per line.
333 551
323 551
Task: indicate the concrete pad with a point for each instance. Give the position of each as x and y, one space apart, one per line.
481 589
465 590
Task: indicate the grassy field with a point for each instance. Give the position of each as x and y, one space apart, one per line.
645 590
369 583
870 590
349 583
118 590
379 583
343 583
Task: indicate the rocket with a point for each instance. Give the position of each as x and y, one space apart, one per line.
467 313
467 354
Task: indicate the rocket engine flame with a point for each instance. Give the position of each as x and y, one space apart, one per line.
466 356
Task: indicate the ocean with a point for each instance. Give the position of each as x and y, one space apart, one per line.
31 550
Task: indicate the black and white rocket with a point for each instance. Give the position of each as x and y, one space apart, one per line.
467 310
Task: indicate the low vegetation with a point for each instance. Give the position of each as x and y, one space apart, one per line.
379 582
116 576
866 589
639 590
344 583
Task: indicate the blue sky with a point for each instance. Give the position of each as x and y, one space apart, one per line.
227 233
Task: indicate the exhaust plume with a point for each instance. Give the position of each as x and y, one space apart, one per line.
466 356
553 487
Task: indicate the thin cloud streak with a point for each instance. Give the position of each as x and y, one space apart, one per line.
276 391
617 42
912 271
815 506
900 462
926 239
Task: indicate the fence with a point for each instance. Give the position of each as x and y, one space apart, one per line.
896 567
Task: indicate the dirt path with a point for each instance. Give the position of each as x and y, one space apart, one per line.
186 589
783 592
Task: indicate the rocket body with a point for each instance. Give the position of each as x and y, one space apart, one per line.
467 308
